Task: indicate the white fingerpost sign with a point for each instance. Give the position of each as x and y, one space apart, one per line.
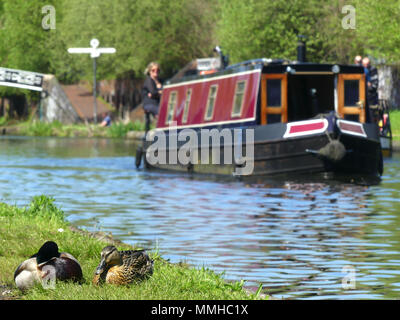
94 52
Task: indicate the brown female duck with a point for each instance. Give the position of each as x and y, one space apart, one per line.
123 267
39 267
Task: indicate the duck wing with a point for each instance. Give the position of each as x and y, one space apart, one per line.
26 274
67 267
68 256
28 265
137 264
130 253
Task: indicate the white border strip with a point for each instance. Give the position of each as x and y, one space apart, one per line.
352 123
22 86
208 124
304 133
231 75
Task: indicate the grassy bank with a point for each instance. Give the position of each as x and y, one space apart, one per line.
395 124
24 230
57 129
116 130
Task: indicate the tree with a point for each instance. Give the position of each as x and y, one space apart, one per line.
24 46
24 38
268 28
378 25
170 31
2 47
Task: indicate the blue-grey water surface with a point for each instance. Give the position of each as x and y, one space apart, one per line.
302 239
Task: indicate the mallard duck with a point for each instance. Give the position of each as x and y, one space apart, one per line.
123 267
37 267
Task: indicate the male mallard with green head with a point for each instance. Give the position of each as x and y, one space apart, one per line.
41 264
123 267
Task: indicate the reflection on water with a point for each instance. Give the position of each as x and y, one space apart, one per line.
294 236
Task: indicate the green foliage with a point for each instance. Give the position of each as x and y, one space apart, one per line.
38 128
57 129
395 124
40 206
43 206
3 121
378 24
24 43
173 32
119 129
268 28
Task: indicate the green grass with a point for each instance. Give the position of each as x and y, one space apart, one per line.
24 230
3 120
119 129
395 124
57 129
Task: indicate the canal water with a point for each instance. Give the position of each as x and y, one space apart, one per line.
300 238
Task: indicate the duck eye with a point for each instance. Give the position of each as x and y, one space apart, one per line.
107 255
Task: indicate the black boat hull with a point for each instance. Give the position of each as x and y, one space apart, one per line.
273 153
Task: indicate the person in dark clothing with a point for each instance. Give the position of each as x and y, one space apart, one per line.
152 89
106 120
151 92
371 75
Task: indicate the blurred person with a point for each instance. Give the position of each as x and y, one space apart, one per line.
358 60
106 120
371 76
151 92
152 88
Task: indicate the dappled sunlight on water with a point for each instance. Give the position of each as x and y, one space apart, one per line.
295 236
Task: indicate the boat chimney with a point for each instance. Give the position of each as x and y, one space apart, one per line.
301 48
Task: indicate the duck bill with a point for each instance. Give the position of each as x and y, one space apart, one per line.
101 267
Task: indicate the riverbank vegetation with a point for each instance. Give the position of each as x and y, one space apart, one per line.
115 130
394 116
37 128
23 230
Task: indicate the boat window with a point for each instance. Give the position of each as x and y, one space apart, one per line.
238 100
187 103
274 92
351 96
212 94
351 92
273 98
171 107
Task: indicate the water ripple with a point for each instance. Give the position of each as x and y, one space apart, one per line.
293 236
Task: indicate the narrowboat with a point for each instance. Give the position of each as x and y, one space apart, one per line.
265 117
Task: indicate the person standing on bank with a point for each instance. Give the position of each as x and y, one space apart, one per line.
151 91
371 75
358 60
